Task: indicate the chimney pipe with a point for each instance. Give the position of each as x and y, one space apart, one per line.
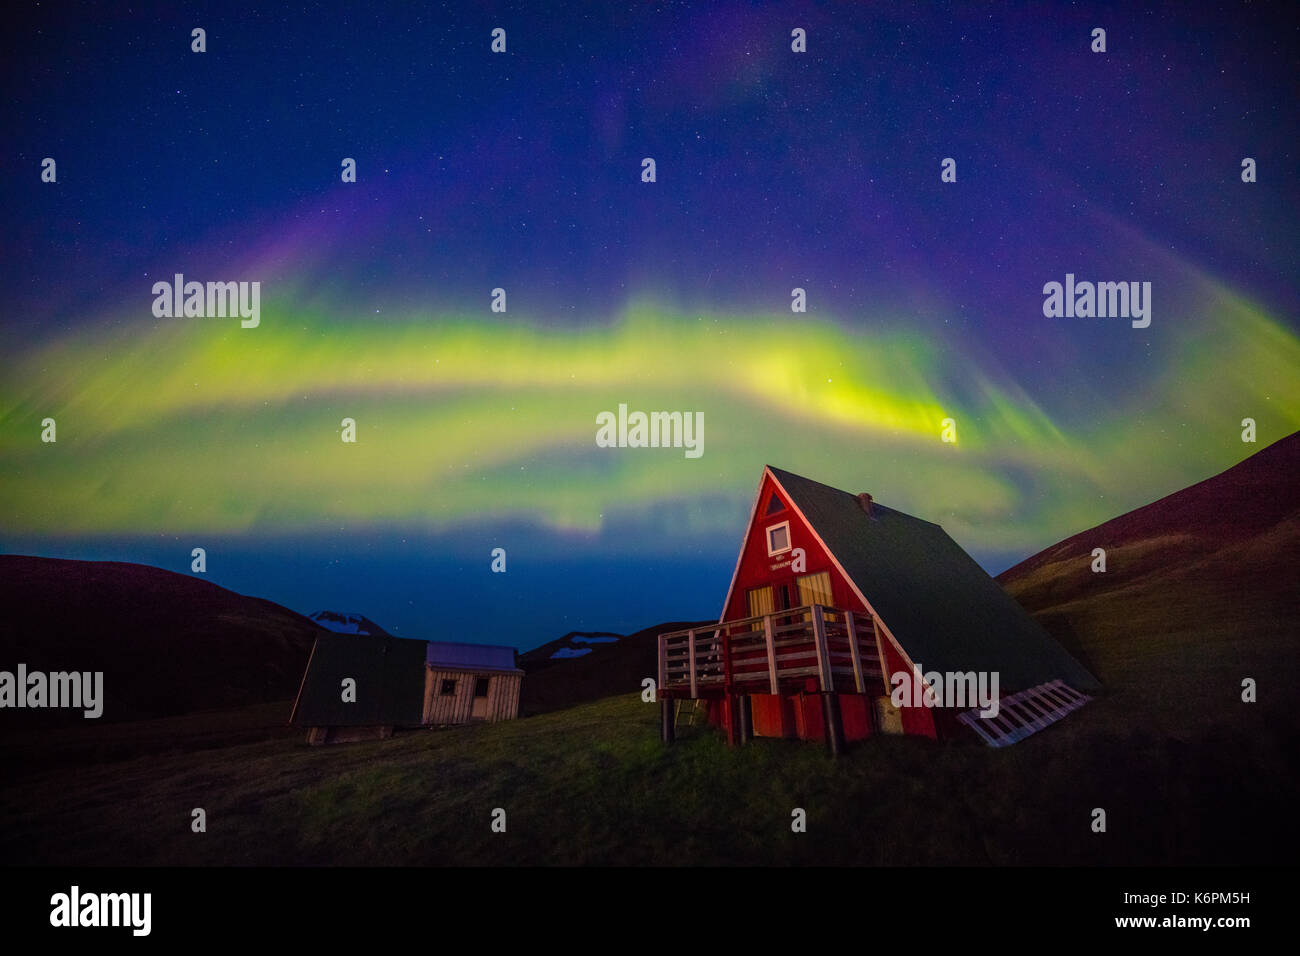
864 500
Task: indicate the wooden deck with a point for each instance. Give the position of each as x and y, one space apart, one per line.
774 653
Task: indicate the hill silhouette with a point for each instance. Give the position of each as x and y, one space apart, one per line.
167 643
611 667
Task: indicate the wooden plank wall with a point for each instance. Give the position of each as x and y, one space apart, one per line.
502 699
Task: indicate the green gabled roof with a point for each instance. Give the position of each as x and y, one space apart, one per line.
942 607
389 672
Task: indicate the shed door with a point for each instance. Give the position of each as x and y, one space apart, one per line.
480 708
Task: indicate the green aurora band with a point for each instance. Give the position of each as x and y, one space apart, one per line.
197 425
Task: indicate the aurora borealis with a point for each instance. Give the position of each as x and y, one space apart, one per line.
521 171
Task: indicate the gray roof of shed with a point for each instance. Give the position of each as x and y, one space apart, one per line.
941 606
471 657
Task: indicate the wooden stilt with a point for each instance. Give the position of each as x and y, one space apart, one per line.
746 719
834 724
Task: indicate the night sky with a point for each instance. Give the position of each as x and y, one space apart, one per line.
522 170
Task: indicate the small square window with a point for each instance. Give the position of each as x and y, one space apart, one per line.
448 688
481 687
778 538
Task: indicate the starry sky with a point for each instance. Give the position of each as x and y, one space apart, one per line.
522 171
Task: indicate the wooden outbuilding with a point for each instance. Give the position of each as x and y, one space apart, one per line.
362 686
837 605
469 682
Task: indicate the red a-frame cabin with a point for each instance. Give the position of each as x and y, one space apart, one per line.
833 594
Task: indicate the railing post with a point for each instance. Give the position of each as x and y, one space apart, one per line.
879 635
855 652
691 646
771 653
663 663
722 642
823 656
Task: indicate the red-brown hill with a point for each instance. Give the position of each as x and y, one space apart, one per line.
167 643
1200 587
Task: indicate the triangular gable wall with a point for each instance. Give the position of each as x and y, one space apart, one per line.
754 567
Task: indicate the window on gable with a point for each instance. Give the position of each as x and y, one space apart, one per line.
778 538
774 505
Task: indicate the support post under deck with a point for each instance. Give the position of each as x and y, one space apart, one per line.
834 724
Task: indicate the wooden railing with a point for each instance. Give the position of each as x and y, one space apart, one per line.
764 654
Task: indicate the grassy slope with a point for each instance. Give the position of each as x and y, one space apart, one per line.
1200 590
593 784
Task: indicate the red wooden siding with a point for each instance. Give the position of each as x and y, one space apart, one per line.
773 715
